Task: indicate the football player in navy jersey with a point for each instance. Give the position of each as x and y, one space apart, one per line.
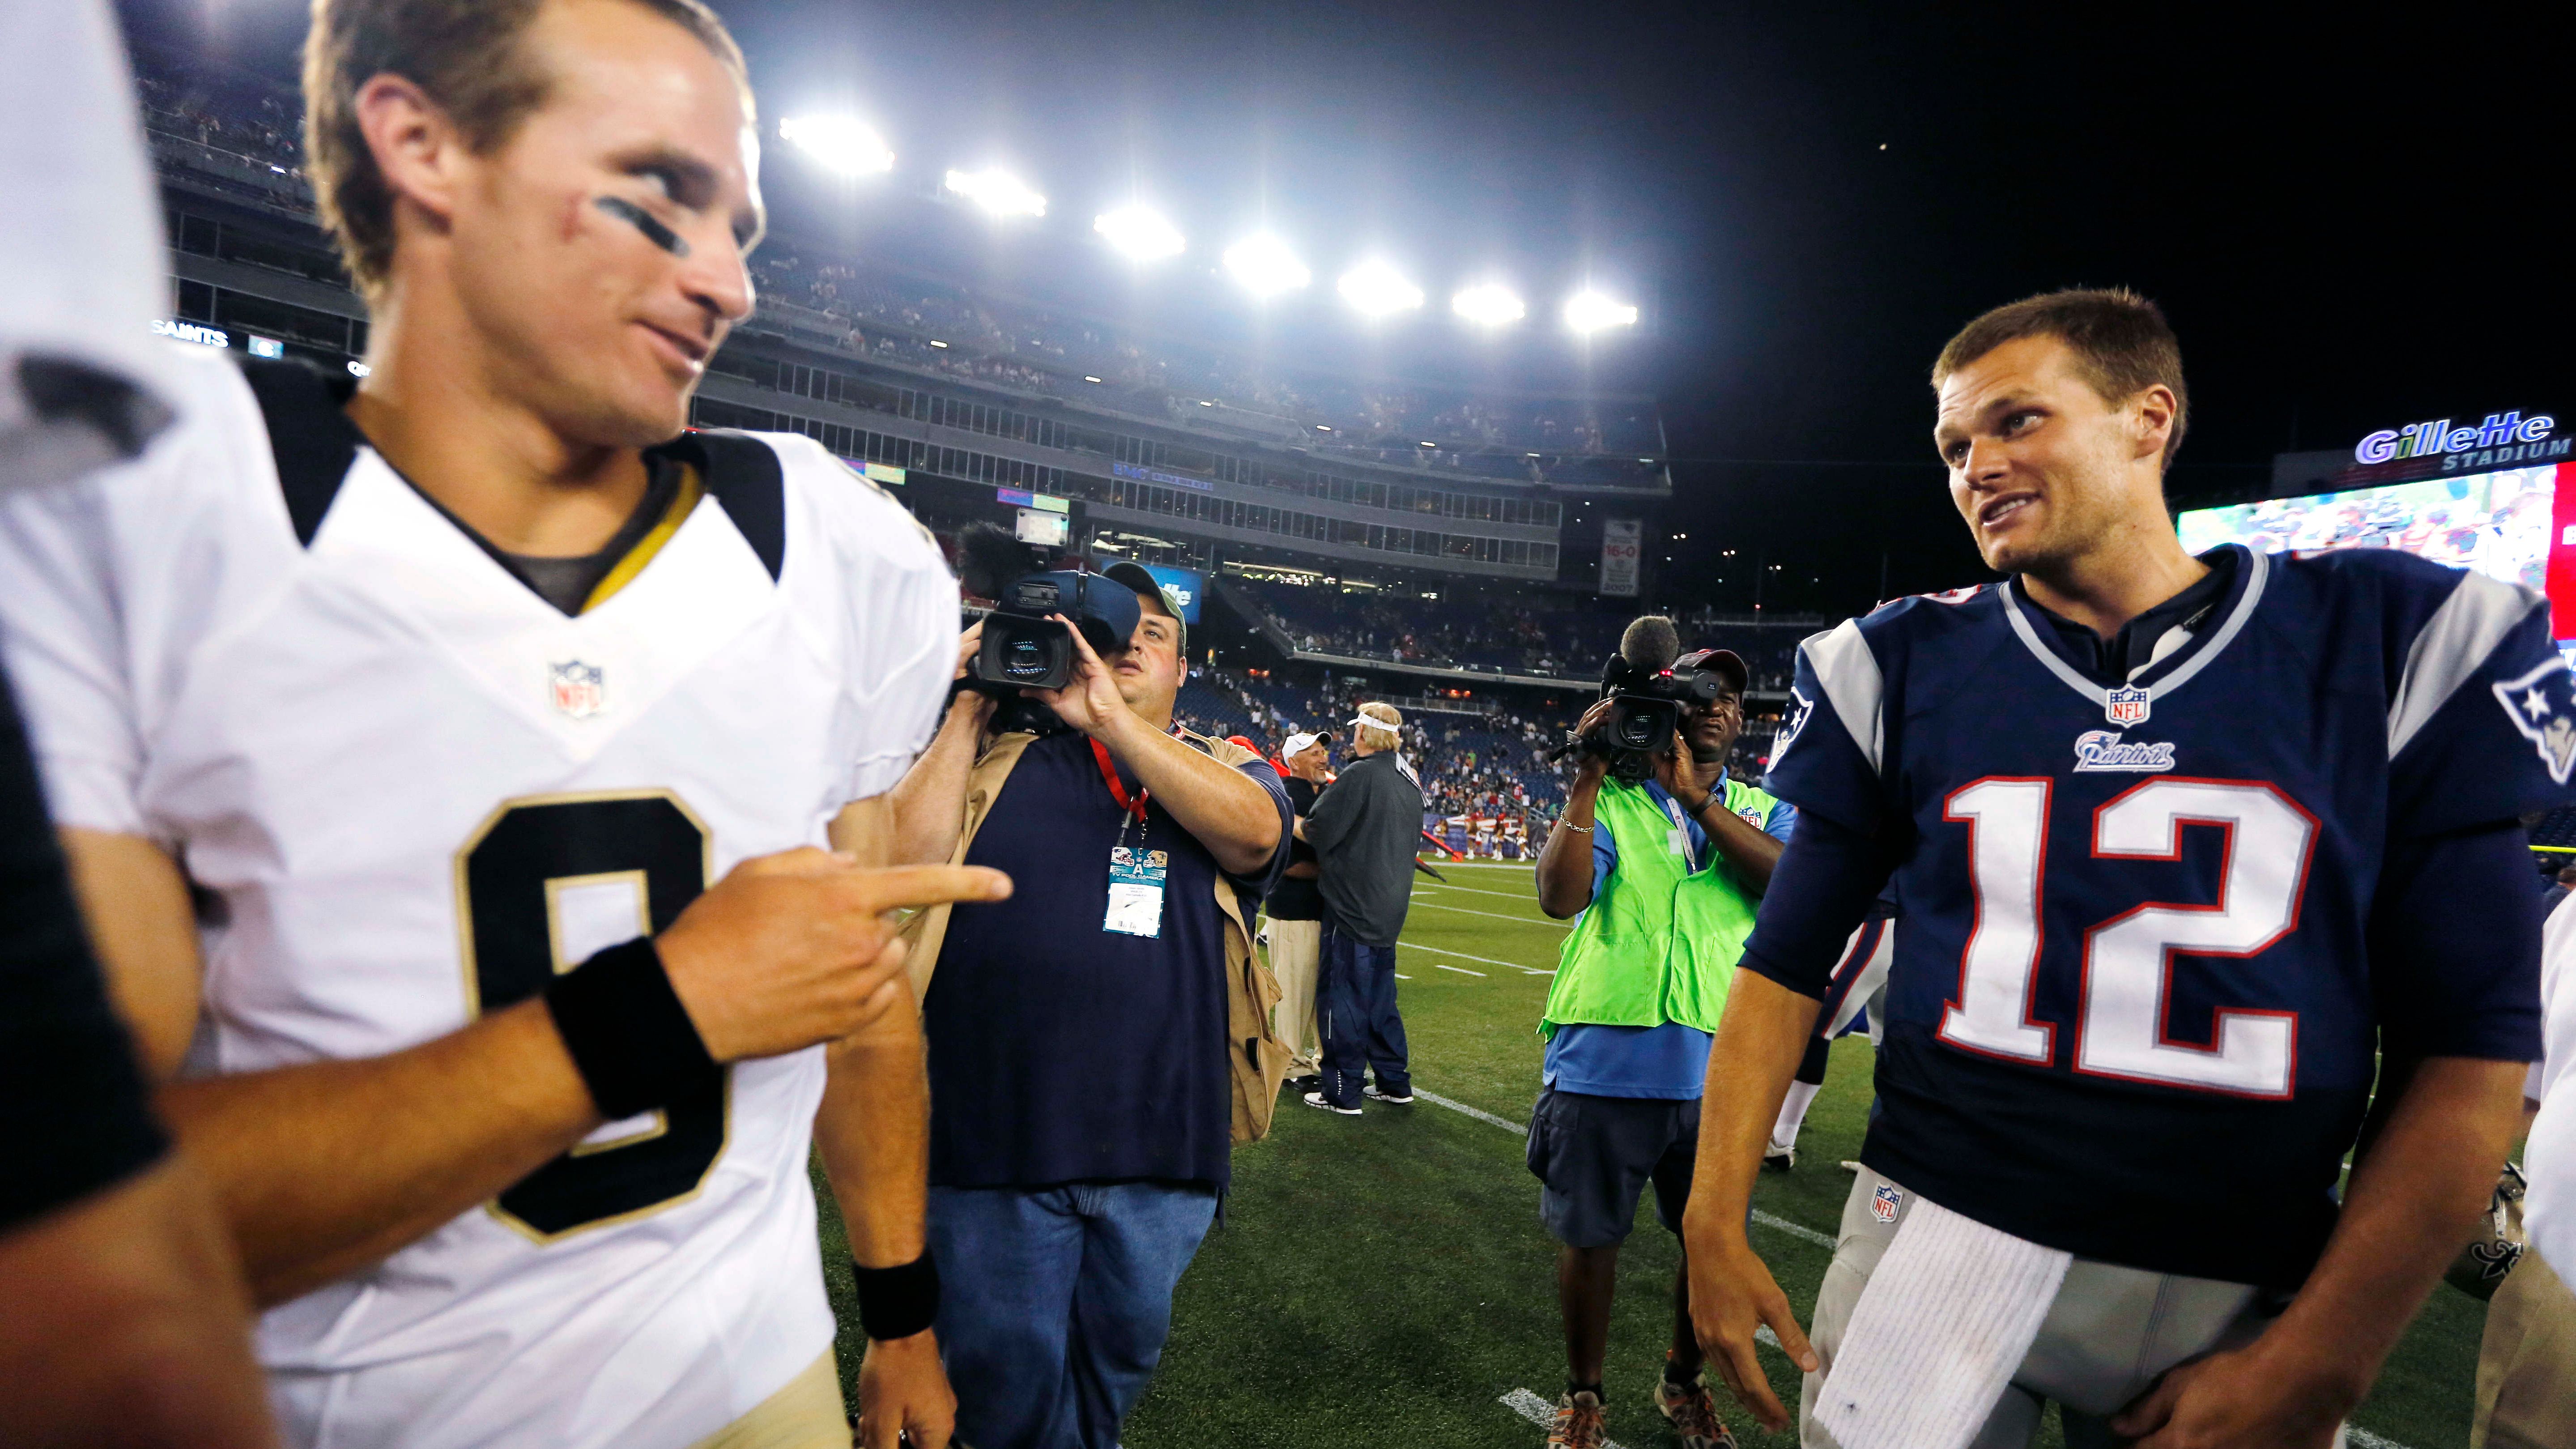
2192 850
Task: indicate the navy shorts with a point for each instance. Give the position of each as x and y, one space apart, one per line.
1595 1155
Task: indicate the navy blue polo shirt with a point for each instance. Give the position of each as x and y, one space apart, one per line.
1061 1052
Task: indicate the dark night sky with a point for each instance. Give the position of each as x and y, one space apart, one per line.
2344 217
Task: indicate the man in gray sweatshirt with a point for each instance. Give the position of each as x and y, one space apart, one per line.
1364 830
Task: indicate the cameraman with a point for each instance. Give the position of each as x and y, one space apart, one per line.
1096 1047
1666 858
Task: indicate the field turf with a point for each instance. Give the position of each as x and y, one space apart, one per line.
1384 1280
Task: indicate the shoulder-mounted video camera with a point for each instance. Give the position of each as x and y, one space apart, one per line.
1649 683
1024 648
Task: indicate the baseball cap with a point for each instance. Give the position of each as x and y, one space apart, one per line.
1297 743
1721 661
1136 576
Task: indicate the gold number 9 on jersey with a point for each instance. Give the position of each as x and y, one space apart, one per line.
543 883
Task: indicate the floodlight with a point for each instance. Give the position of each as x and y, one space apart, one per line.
1377 289
1139 233
840 143
1589 311
1489 305
1265 266
997 191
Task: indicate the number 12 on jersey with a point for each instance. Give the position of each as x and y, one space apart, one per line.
2125 993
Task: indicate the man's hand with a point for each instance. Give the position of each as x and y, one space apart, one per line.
1684 778
1090 700
797 948
1597 717
2239 1399
902 1387
1731 1295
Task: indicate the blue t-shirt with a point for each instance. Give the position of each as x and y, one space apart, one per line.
1061 1052
1668 1062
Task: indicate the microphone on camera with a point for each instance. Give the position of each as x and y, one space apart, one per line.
1651 644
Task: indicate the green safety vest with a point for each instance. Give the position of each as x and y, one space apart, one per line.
1661 940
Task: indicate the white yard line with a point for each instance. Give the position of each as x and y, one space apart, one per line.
1400 976
1463 956
1474 890
1541 1412
1496 915
1461 970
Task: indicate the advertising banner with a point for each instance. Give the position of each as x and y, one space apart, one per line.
1622 544
1186 586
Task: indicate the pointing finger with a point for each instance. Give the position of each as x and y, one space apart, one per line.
878 891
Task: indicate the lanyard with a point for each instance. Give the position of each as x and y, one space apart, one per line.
1117 791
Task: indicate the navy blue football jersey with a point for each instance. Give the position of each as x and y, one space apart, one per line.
2134 1010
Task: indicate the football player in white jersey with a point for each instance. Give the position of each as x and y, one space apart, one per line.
445 768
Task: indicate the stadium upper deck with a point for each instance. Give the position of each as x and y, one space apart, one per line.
1162 447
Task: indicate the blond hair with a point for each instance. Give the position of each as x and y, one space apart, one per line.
1386 738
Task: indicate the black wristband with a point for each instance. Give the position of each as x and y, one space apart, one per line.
898 1302
629 1036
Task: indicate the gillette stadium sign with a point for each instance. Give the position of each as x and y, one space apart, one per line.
2501 441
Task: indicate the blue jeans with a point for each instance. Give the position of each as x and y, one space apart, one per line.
1358 1021
1053 1304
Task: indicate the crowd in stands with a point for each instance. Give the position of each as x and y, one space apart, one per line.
256 124
1032 348
1506 634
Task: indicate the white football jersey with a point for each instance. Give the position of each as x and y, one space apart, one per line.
417 792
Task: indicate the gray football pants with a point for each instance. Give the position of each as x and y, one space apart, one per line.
2109 1334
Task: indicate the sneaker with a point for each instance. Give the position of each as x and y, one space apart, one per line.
1310 1082
1777 1158
1373 1094
1317 1099
1692 1412
1578 1422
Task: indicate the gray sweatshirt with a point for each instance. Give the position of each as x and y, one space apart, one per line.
1364 830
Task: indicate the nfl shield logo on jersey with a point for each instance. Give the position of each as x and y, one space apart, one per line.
1883 1203
2125 706
578 689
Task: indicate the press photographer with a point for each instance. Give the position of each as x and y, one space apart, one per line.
1665 857
1097 1048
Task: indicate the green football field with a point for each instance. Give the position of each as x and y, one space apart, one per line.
1384 1279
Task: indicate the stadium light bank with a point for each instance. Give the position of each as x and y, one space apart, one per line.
1590 311
1265 266
1375 289
839 143
1139 234
997 191
1489 305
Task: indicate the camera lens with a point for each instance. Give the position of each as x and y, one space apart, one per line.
1024 658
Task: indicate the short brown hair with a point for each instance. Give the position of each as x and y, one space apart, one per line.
2121 343
465 55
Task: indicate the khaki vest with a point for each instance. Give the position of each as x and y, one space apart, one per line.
1259 1060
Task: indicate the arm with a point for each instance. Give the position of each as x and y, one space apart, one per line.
1234 818
127 1325
1826 879
925 810
874 1135
1700 789
322 1169
2413 1201
1759 1041
1565 862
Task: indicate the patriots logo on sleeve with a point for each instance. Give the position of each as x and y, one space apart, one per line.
1800 708
2542 705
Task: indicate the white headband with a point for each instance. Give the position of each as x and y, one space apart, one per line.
1371 722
